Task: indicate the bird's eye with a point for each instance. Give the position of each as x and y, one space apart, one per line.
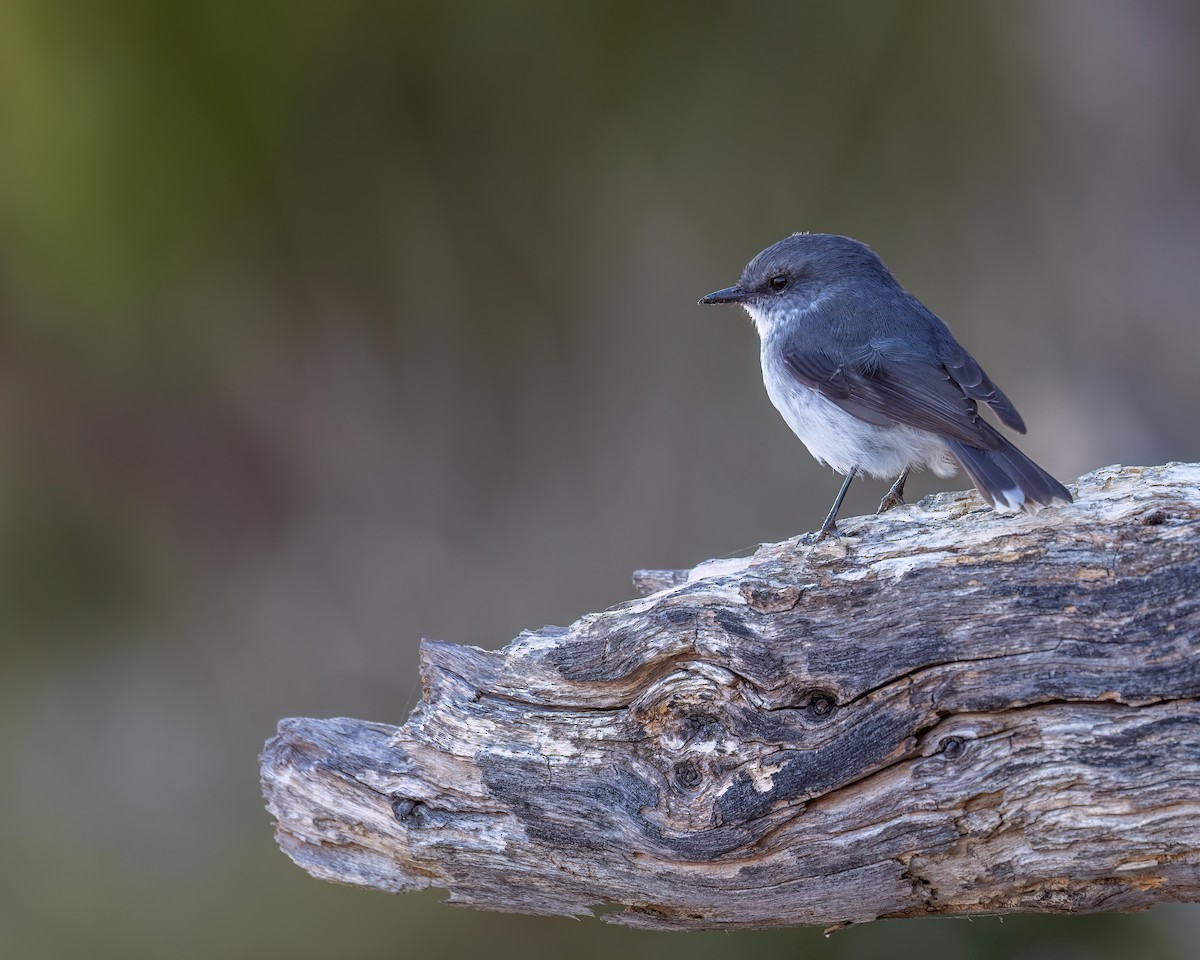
778 282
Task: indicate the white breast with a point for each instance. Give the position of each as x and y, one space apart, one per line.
841 440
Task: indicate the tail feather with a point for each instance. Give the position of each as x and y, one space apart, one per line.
1008 479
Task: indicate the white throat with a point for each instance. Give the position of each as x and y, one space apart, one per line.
766 320
763 320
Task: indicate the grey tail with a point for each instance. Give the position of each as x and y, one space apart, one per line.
1008 479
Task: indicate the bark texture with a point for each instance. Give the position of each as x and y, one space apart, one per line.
945 711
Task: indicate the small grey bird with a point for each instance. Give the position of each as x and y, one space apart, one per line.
873 381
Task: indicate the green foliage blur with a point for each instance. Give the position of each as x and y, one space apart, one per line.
328 325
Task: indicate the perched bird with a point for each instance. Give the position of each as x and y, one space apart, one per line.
872 380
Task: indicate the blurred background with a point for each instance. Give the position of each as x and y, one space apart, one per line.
326 326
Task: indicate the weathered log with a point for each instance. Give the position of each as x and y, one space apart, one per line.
945 711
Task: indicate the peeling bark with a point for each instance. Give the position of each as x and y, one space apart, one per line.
945 711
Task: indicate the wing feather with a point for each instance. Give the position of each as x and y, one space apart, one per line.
884 390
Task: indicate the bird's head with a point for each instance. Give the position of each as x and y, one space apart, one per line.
791 276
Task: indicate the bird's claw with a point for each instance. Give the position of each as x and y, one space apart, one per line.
891 500
895 496
817 536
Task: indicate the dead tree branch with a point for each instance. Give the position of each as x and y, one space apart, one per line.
944 712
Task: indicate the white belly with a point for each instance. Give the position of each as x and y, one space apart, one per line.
842 441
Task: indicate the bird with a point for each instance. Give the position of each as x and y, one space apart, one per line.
872 381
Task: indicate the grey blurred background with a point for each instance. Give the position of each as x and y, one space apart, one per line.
328 326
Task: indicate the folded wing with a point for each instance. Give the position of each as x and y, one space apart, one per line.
939 396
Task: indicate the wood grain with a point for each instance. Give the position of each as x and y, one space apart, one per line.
945 711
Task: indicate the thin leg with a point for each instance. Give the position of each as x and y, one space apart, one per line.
895 496
830 524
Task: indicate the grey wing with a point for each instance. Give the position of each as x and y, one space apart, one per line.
975 383
884 390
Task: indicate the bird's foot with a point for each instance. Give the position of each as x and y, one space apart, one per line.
895 496
891 500
827 530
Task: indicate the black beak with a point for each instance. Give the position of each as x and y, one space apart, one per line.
728 295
